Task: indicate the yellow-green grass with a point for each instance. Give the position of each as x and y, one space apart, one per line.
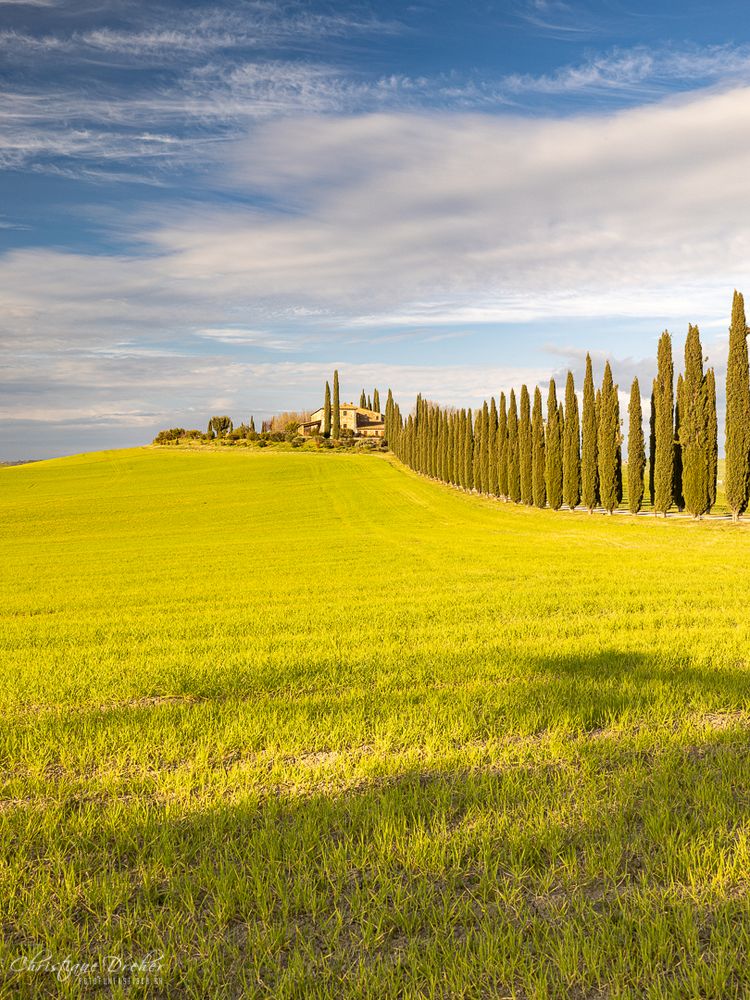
313 726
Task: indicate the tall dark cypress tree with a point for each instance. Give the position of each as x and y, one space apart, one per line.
713 443
469 451
692 429
484 450
327 413
362 399
664 400
538 465
376 401
695 446
514 466
572 447
447 443
434 431
679 407
492 449
652 446
608 440
589 462
737 442
336 414
461 449
452 449
636 450
553 451
477 462
389 430
524 447
502 449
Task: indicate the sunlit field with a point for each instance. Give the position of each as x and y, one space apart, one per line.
312 726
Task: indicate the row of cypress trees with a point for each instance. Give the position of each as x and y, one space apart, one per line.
511 450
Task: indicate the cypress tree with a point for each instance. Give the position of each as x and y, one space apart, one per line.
693 430
608 439
460 447
502 449
484 464
369 403
492 450
362 399
431 440
538 485
252 424
469 451
589 462
737 440
446 447
664 401
376 401
514 467
389 432
451 449
636 450
553 450
436 443
477 462
524 447
418 459
458 442
679 408
336 415
652 445
713 443
327 413
572 448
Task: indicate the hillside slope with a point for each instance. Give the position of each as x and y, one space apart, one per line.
314 726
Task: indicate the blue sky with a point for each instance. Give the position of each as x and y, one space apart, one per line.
207 207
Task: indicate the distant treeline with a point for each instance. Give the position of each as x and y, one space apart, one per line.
547 453
510 450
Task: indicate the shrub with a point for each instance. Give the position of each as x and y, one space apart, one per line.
220 425
262 443
173 434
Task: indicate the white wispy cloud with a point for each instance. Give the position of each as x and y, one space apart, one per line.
76 126
415 220
400 221
641 71
556 18
200 31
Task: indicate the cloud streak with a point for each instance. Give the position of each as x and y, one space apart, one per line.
392 222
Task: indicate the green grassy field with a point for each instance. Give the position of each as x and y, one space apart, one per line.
312 726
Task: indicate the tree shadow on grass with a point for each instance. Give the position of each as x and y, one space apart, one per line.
606 862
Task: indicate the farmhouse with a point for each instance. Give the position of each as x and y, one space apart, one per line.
354 420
